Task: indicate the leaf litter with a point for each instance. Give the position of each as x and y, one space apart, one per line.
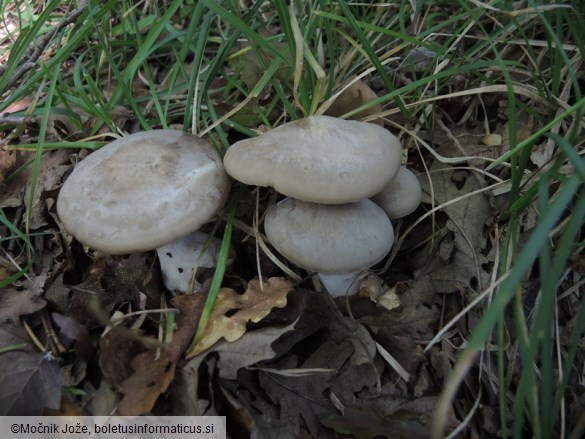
285 361
255 304
30 380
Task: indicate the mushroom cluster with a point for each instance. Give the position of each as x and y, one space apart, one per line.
328 167
155 189
149 190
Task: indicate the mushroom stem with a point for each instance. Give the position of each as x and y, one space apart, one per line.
179 258
340 284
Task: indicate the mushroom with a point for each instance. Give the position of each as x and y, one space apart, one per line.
143 191
336 240
179 258
320 159
401 196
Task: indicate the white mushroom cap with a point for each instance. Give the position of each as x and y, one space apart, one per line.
143 191
320 159
178 258
401 196
330 238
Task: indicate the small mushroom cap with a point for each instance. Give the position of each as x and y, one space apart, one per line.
401 196
143 191
329 238
320 159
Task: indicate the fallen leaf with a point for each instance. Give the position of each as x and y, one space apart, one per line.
72 332
252 348
255 304
153 376
418 60
423 384
253 63
300 402
352 379
19 105
30 381
373 288
397 331
112 280
467 140
7 161
101 401
354 96
323 364
116 354
321 312
16 191
155 368
463 266
364 424
15 303
524 129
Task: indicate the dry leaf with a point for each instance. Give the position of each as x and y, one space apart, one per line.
71 331
54 164
418 59
251 348
354 96
15 303
373 288
327 358
116 354
366 424
19 105
524 129
254 62
30 381
101 401
7 161
112 280
397 331
463 265
155 369
153 376
294 405
253 305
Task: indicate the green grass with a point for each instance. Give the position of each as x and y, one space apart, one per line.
210 67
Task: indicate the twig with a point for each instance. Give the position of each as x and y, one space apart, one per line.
8 119
39 46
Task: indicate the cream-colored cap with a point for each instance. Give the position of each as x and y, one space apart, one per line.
401 196
320 159
143 191
329 238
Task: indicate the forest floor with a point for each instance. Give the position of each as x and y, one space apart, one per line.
471 327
